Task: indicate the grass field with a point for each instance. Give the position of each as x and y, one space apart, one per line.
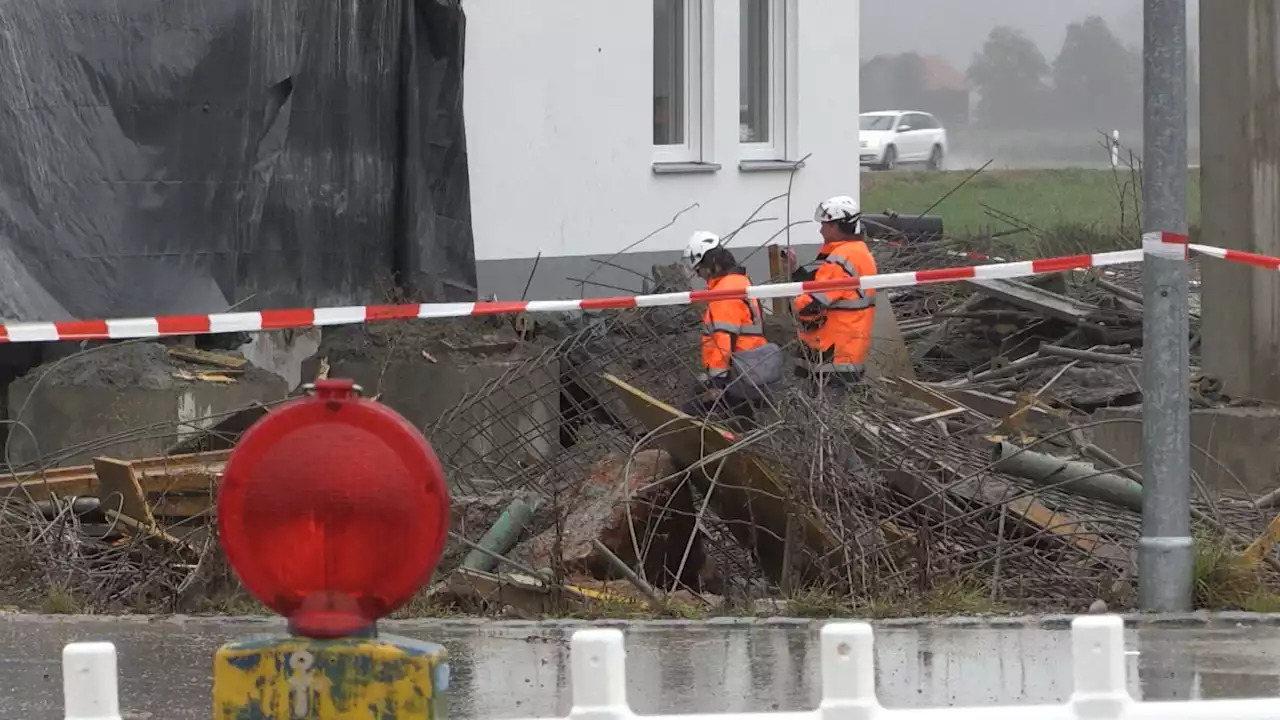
1041 199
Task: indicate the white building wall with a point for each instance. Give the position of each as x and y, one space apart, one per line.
559 113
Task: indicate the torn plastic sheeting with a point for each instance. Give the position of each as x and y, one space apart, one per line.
179 157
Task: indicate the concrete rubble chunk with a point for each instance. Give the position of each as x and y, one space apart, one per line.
78 401
648 524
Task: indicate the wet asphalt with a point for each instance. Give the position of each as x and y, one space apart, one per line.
520 670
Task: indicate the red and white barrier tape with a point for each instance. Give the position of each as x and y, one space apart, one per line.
1167 245
1266 262
319 317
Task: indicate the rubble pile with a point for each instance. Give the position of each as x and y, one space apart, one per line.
980 469
577 484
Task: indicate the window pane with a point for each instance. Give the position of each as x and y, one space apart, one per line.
756 78
668 72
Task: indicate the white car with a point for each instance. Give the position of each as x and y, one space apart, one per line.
891 137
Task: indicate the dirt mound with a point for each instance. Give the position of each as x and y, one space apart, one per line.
146 366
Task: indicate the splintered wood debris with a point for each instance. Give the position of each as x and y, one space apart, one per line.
171 487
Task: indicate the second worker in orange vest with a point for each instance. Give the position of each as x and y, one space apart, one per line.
835 325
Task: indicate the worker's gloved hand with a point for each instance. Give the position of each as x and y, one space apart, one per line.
810 318
803 275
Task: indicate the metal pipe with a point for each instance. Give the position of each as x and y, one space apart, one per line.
502 537
1070 476
1166 555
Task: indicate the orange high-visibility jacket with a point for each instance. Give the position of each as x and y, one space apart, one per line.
844 318
730 326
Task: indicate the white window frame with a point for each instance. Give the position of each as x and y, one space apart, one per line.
697 88
783 61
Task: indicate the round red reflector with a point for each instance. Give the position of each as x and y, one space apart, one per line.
333 511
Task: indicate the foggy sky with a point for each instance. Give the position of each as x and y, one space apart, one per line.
956 29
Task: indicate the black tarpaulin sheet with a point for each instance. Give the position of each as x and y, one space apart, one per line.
184 156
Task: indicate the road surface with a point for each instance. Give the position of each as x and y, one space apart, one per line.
511 670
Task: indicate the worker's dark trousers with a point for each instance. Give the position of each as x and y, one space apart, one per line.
831 385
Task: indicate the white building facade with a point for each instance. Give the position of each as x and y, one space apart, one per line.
593 123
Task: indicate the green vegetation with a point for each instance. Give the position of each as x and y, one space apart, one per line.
57 601
1046 200
1225 580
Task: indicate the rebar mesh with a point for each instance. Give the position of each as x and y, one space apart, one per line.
909 507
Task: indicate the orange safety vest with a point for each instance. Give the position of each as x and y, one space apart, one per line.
730 325
844 317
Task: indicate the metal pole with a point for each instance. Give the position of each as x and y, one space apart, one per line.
1165 561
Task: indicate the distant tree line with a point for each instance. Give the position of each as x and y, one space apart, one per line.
1095 83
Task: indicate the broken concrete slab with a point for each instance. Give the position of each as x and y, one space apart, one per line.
889 356
283 352
1242 445
73 407
648 524
424 370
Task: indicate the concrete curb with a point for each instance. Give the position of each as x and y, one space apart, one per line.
1196 620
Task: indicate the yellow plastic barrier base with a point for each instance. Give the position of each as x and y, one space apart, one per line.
282 677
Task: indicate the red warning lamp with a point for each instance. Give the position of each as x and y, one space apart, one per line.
333 510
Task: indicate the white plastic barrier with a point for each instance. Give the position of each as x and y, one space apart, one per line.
89 681
599 682
849 684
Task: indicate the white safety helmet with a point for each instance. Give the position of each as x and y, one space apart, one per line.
700 243
841 209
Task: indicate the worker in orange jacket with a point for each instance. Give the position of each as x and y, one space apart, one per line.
741 366
835 325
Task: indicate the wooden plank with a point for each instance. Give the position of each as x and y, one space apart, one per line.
749 496
177 507
204 357
776 275
940 415
1044 302
1262 546
1034 512
144 529
119 490
178 473
183 477
44 485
